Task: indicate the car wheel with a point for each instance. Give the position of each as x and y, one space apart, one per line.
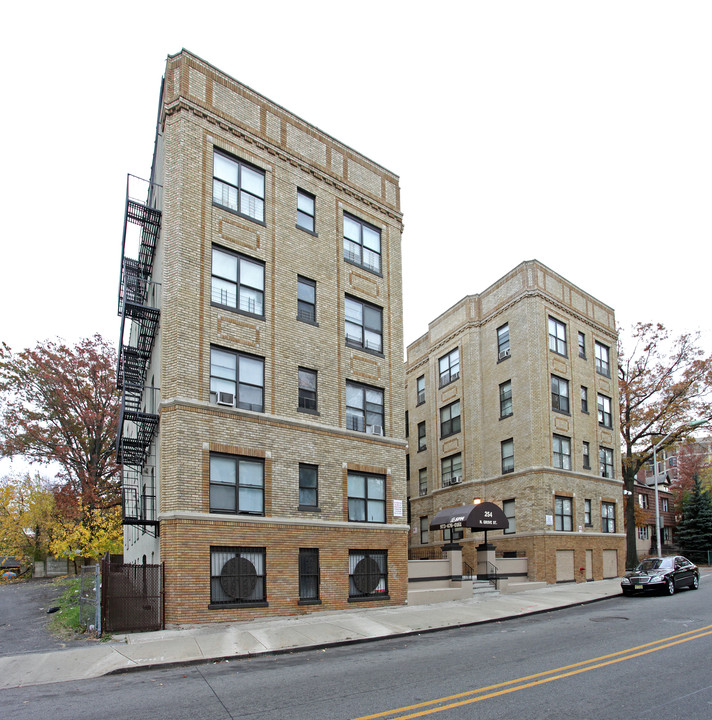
670 586
695 582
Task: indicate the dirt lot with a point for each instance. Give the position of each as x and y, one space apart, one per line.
24 618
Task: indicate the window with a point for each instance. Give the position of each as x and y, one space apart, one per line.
605 459
421 436
608 517
643 501
238 283
503 348
667 535
237 379
604 411
407 424
237 485
238 186
306 211
306 300
237 576
584 399
420 387
307 390
643 533
368 574
308 575
366 498
603 365
508 508
507 450
562 452
664 505
449 366
364 408
451 535
364 325
586 456
563 514
559 394
451 470
450 419
423 481
582 345
308 486
587 513
362 244
424 531
505 399
557 336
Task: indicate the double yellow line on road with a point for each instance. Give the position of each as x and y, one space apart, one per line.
492 691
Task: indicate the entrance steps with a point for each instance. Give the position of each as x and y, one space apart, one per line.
482 588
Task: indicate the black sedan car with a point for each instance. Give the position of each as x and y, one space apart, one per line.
661 574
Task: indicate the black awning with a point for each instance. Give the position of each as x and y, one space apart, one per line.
483 516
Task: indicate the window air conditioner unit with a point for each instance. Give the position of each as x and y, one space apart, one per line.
374 429
226 398
456 480
505 353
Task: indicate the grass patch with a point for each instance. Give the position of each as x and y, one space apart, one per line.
66 620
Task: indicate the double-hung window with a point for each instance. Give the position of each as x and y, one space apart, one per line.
582 345
503 348
587 513
366 498
362 243
237 379
307 390
449 367
422 481
586 456
237 576
421 436
557 336
364 408
238 186
508 509
562 452
608 517
238 282
451 470
424 531
559 394
584 399
308 575
237 485
306 211
306 300
505 399
563 514
603 359
450 419
364 325
420 388
605 460
507 450
308 486
604 411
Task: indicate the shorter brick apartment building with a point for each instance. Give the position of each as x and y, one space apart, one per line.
512 398
261 435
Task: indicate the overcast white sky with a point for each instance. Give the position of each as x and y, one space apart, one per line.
576 133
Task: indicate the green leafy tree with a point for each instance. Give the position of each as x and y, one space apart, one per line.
694 532
665 388
60 407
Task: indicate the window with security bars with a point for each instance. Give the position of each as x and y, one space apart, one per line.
308 575
238 282
238 186
362 244
608 517
237 576
368 574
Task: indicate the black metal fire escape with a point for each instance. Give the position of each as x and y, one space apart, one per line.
139 309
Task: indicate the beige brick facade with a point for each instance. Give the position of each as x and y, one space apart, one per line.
204 112
522 302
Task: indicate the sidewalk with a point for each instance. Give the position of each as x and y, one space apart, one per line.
201 643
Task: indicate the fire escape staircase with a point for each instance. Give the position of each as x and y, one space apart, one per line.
139 309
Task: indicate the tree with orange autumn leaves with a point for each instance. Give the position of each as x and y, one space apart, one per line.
665 387
60 408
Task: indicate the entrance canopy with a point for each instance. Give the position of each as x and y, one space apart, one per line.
483 516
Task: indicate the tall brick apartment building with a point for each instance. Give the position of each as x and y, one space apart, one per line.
512 398
261 437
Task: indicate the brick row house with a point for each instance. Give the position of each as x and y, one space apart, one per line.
261 436
512 398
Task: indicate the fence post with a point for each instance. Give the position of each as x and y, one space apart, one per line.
97 609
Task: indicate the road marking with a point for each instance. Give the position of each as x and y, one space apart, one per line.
538 678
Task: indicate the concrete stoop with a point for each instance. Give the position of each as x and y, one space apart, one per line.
481 588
